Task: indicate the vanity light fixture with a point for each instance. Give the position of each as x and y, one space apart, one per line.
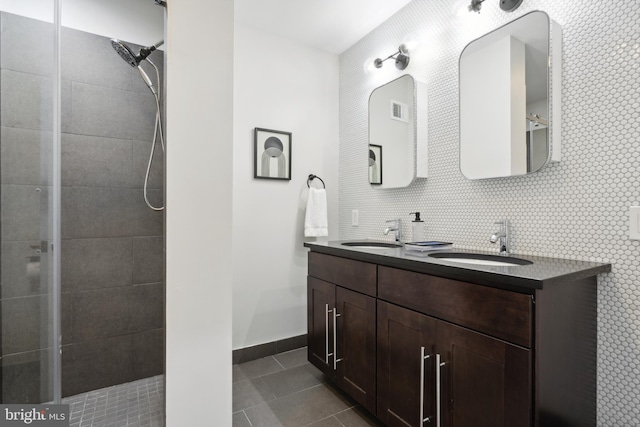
401 57
475 6
510 5
506 5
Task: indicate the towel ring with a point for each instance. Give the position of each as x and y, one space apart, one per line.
312 177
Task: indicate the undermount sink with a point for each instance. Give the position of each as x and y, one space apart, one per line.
372 245
480 259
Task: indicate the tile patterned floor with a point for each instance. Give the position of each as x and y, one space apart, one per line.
287 391
277 391
139 403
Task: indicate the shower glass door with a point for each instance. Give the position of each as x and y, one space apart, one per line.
29 352
82 254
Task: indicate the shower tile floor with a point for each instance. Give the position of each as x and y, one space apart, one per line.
285 390
138 403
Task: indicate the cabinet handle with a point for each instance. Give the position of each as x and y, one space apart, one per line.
335 339
326 333
423 357
438 378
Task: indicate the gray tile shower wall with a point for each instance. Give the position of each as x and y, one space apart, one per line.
575 209
112 248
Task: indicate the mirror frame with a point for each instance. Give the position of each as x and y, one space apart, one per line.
554 96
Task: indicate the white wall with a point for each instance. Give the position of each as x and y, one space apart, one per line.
282 85
36 9
137 21
198 215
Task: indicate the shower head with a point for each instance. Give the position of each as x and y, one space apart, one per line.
125 52
129 56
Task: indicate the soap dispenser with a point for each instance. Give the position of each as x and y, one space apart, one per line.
417 228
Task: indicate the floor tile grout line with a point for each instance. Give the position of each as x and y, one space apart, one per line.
300 391
322 419
291 351
264 402
247 417
278 362
261 375
354 407
345 410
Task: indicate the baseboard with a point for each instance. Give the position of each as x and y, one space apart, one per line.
259 351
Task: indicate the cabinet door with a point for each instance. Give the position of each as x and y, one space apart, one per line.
321 298
484 382
406 366
356 346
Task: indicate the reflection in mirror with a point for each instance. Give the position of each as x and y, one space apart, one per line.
375 164
504 99
392 134
537 136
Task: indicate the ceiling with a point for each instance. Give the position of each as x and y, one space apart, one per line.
330 25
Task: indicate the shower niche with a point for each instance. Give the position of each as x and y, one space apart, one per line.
510 99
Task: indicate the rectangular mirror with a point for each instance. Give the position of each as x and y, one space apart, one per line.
509 123
397 150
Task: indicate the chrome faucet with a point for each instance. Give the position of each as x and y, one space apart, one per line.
503 236
397 227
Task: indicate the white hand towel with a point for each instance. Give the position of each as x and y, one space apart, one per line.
315 219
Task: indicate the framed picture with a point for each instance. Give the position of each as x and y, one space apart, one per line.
375 164
271 154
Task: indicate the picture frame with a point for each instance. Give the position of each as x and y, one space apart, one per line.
272 154
375 164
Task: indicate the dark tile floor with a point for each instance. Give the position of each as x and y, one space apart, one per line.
287 391
135 404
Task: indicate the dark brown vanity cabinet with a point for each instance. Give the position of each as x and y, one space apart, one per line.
417 349
342 325
406 358
321 300
430 369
